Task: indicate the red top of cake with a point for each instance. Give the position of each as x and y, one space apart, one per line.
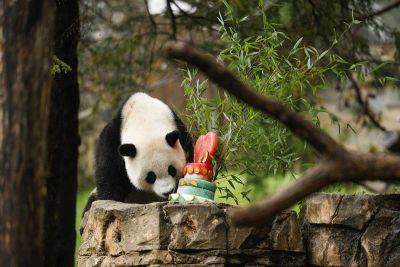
204 151
205 148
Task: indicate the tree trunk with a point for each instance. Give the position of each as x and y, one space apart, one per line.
26 82
63 141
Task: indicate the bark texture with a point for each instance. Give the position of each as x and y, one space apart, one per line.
27 31
39 134
63 140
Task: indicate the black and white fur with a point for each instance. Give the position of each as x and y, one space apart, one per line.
140 153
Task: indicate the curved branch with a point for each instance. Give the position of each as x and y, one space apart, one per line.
304 129
365 104
353 169
379 12
313 180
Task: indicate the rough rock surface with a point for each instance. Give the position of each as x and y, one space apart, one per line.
341 210
381 239
118 234
334 230
360 230
115 228
196 226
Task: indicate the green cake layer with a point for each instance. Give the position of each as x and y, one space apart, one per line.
200 183
196 191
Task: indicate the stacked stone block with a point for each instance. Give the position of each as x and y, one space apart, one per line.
361 230
333 230
118 234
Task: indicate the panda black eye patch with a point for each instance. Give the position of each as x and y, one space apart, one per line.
172 137
151 178
172 171
127 150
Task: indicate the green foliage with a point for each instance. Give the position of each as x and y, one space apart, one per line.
59 66
252 145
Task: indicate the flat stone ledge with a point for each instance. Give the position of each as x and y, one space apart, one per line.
120 234
334 230
353 211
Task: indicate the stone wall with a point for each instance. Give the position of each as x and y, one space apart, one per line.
359 230
333 231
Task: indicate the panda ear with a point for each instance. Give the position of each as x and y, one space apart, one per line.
172 137
127 150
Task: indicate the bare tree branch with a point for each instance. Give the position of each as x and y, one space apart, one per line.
172 17
379 12
313 180
339 165
352 169
152 21
365 103
394 146
191 16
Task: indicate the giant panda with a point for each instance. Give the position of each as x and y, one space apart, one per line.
140 153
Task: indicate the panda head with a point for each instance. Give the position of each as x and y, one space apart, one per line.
154 164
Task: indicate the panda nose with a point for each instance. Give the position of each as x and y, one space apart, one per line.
168 193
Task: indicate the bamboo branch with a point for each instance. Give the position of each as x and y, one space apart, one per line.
340 165
304 129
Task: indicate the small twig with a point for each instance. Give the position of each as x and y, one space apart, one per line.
152 21
365 103
172 17
379 12
191 16
208 25
314 12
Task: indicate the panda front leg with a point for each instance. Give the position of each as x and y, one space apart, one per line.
92 197
112 182
116 190
111 178
107 191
